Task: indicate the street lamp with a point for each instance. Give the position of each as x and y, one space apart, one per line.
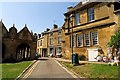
71 21
75 60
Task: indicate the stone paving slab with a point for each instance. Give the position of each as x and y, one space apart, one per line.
68 60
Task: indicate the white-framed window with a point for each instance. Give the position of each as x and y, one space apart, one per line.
37 50
79 40
94 37
51 33
86 39
59 32
72 41
51 50
71 18
59 40
59 50
77 18
38 43
91 14
41 43
51 40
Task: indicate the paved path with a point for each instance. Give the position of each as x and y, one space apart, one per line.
68 60
47 68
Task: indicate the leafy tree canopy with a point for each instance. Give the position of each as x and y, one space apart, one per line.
115 40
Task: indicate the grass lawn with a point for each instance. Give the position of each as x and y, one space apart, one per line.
94 70
12 70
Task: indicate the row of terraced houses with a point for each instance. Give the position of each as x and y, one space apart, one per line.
87 28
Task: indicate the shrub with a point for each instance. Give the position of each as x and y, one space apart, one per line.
82 57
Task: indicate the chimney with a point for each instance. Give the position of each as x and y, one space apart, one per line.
35 35
39 35
47 29
70 8
55 26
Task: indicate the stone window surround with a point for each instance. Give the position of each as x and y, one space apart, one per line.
88 39
90 14
92 37
40 42
77 19
59 40
51 33
83 39
51 41
59 50
74 38
59 32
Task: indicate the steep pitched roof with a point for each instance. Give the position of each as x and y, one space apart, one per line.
25 29
3 26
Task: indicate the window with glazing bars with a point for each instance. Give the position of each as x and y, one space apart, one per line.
94 38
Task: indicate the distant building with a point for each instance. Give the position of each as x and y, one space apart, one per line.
50 43
17 46
92 24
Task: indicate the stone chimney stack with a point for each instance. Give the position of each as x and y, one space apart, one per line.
39 35
70 8
55 26
47 29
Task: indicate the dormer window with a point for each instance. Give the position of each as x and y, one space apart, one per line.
77 18
51 41
59 32
51 33
91 14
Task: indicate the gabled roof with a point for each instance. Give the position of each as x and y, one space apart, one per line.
3 26
25 29
13 27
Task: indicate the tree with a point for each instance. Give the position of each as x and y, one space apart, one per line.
115 41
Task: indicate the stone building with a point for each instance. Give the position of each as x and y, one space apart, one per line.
18 46
42 44
89 27
50 43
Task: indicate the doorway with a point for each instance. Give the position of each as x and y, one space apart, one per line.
92 54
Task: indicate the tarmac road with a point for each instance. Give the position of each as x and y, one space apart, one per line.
47 68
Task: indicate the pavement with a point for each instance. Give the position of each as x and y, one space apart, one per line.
68 60
47 68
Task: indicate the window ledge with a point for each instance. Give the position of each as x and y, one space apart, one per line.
89 22
87 45
116 11
79 46
95 45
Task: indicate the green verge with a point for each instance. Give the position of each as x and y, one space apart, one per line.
90 70
13 70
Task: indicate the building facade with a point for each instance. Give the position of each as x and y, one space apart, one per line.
18 46
52 44
88 28
42 43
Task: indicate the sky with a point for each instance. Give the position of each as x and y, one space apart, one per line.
37 15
